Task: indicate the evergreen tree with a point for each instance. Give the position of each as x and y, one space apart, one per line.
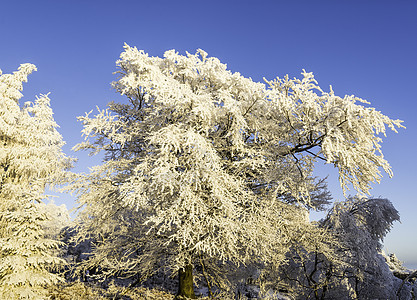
30 159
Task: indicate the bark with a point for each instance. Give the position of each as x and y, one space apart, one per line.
186 287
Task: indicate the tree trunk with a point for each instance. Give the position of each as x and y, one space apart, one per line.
186 287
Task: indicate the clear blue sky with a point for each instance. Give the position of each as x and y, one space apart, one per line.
366 48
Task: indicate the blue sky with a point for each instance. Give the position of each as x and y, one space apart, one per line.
365 48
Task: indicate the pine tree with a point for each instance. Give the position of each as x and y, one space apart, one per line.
30 159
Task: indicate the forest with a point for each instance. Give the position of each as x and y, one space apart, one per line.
204 191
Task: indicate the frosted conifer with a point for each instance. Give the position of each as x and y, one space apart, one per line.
30 159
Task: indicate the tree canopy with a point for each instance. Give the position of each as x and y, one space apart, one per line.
207 167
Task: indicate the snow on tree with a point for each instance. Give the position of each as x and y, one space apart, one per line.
362 224
203 164
358 271
405 280
59 218
30 159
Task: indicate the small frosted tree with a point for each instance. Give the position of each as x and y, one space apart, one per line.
30 159
357 270
203 164
361 224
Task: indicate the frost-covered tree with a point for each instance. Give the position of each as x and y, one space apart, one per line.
203 164
30 159
361 225
358 270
